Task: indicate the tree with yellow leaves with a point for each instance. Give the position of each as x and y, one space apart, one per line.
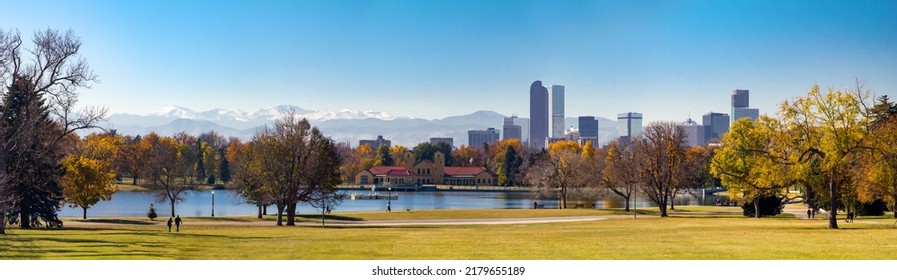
89 176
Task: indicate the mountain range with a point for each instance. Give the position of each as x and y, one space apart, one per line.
342 126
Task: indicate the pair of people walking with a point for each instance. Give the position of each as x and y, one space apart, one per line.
177 223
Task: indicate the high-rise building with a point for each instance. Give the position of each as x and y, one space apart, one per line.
538 115
476 138
696 133
741 98
376 142
740 104
588 127
510 130
557 111
717 125
524 130
448 140
629 125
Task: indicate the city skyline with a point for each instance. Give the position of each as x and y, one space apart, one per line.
397 56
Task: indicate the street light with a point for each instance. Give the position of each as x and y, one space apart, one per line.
213 203
389 198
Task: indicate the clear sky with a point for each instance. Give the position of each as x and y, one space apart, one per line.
431 59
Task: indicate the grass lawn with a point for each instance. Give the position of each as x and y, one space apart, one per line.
681 237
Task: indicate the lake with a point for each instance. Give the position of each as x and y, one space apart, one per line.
228 203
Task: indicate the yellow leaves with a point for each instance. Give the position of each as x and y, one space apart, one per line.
563 146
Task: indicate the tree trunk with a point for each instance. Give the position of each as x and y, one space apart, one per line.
2 223
627 203
135 180
265 209
757 207
663 206
260 211
84 217
672 202
894 209
322 214
291 214
833 214
564 198
25 220
279 214
172 208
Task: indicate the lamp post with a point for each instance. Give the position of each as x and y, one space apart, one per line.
389 197
213 203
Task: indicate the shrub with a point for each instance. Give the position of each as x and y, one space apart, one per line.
770 205
152 213
875 208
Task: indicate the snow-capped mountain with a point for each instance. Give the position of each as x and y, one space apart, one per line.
342 126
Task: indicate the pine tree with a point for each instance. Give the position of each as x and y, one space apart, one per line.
223 168
33 162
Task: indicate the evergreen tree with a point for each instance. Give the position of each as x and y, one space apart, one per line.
33 160
200 167
223 167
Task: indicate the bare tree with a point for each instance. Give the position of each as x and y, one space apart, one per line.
55 72
664 154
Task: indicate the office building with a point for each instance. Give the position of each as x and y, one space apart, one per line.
717 125
538 115
448 140
740 106
629 125
524 130
695 133
556 92
510 130
375 143
476 138
588 127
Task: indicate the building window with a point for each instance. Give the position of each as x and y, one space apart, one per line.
364 180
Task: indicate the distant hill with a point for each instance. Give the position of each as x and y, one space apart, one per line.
342 126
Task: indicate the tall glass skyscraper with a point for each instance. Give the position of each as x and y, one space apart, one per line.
740 104
538 115
629 125
557 111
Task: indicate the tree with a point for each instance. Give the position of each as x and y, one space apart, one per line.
831 132
507 161
397 153
753 161
132 157
287 161
89 176
383 157
466 156
878 166
663 150
165 165
446 150
152 213
223 167
52 79
620 173
423 151
559 172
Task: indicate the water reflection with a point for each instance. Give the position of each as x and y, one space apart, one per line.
228 203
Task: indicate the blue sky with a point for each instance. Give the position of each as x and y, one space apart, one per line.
431 59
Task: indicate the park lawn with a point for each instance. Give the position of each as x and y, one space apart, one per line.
673 238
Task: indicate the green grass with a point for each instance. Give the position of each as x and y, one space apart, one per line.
679 237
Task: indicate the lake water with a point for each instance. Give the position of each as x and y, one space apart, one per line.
228 203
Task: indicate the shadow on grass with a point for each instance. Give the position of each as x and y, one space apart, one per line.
329 217
117 221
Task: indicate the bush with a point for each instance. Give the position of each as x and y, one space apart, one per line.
875 208
152 213
769 206
211 180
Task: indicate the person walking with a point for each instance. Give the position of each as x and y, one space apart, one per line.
809 213
169 224
177 223
388 207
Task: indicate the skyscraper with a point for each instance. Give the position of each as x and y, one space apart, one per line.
740 104
448 140
538 115
510 130
696 133
524 130
717 125
557 111
629 125
476 138
588 127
